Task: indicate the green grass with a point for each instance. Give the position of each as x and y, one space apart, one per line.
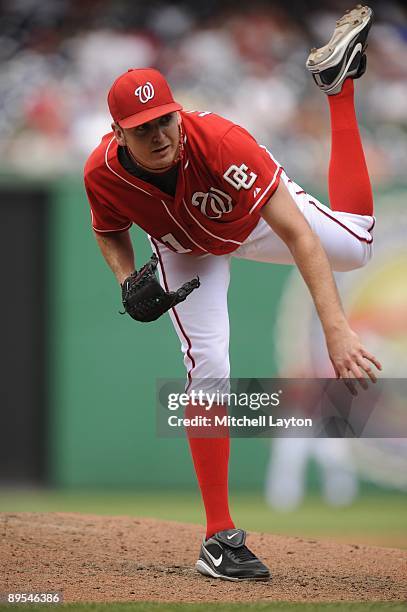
377 519
257 607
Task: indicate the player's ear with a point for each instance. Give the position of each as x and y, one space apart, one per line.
119 134
179 118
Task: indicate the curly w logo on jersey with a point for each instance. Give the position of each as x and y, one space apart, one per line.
212 204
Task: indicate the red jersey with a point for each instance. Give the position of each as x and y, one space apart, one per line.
224 179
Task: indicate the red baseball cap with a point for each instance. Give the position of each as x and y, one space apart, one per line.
140 95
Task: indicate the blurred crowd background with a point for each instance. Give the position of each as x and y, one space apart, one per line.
245 62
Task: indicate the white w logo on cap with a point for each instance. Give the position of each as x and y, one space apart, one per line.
145 92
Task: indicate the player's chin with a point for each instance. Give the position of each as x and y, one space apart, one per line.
163 159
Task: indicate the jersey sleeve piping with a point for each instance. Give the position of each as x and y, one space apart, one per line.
92 199
112 231
272 186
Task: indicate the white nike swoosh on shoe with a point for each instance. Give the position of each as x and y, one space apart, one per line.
356 50
215 561
232 536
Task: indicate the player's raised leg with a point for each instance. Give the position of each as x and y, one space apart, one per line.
333 68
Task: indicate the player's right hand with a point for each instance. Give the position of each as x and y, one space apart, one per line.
350 359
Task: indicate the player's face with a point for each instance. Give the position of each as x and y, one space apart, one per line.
154 144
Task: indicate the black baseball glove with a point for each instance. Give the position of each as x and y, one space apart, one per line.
143 297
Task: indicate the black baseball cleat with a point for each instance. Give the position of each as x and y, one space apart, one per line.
344 55
225 556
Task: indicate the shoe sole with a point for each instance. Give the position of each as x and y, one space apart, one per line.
347 28
205 570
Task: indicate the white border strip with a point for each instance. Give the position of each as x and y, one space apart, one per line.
185 232
121 177
207 231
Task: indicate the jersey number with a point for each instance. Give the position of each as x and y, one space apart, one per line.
173 242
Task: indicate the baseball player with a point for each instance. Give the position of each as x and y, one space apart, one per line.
205 191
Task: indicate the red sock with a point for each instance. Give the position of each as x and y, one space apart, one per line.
349 183
211 458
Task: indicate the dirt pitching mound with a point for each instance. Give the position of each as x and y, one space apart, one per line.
100 558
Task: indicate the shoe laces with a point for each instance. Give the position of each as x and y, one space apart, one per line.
242 554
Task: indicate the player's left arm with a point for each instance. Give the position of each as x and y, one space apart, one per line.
348 356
